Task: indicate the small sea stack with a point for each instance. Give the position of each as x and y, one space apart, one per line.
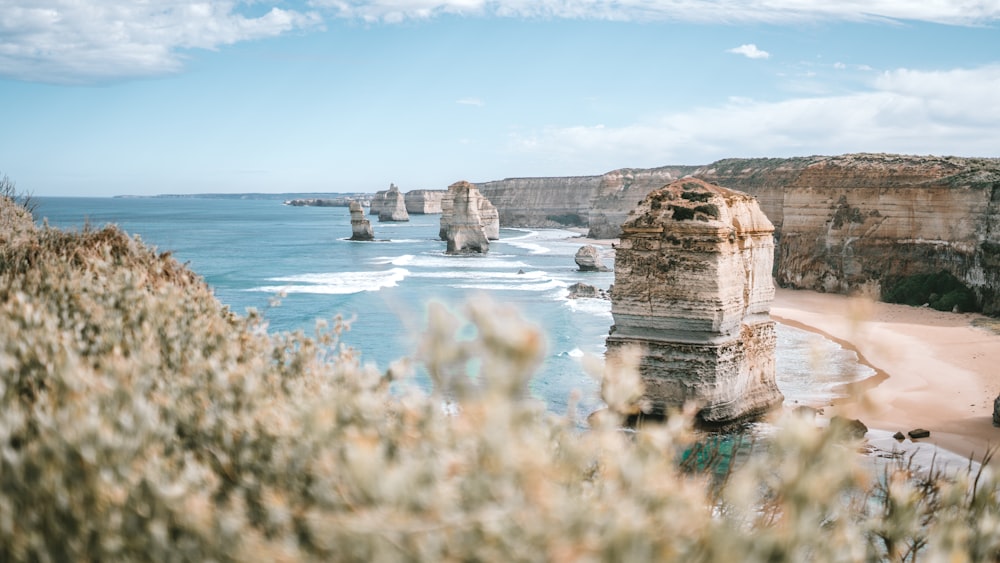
361 227
588 259
489 217
693 290
464 231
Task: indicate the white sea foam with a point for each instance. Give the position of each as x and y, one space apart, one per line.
534 275
597 307
443 262
531 247
541 286
403 260
338 283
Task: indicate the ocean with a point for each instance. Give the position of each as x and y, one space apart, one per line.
296 265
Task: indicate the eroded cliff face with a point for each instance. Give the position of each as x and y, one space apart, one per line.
542 202
693 289
864 221
620 191
424 202
843 223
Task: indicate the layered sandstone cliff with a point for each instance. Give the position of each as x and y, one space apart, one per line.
842 222
485 210
361 228
693 289
424 202
542 202
464 231
868 220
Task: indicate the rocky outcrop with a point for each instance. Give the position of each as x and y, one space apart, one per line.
693 289
485 210
424 202
361 228
585 291
464 231
393 207
588 259
996 411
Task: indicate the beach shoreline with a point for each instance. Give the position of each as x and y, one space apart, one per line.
934 370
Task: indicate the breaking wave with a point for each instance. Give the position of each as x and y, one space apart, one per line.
337 283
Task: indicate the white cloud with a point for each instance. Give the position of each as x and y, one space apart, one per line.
903 111
749 51
705 11
80 41
471 102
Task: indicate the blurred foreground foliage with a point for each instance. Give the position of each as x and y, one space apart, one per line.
141 420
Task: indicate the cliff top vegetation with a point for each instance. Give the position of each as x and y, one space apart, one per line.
140 419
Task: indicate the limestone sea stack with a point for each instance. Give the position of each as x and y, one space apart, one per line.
394 208
488 214
464 232
361 228
693 289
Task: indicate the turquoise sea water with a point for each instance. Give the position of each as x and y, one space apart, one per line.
251 250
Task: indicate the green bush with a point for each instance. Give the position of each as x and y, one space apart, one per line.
141 420
942 291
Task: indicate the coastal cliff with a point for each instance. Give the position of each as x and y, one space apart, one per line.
842 223
542 202
423 202
867 221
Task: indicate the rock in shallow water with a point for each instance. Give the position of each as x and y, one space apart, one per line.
464 230
361 228
588 259
693 289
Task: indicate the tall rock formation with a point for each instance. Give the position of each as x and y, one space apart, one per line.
424 202
361 228
693 288
485 210
394 208
464 231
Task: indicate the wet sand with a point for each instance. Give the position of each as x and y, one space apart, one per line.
935 370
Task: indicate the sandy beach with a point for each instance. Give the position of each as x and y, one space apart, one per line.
936 370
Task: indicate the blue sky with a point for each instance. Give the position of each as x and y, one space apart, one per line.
108 97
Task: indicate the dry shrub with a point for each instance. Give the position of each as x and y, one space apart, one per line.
141 420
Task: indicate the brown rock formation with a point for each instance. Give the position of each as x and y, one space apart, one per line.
588 259
394 208
693 288
485 210
465 227
424 202
361 228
